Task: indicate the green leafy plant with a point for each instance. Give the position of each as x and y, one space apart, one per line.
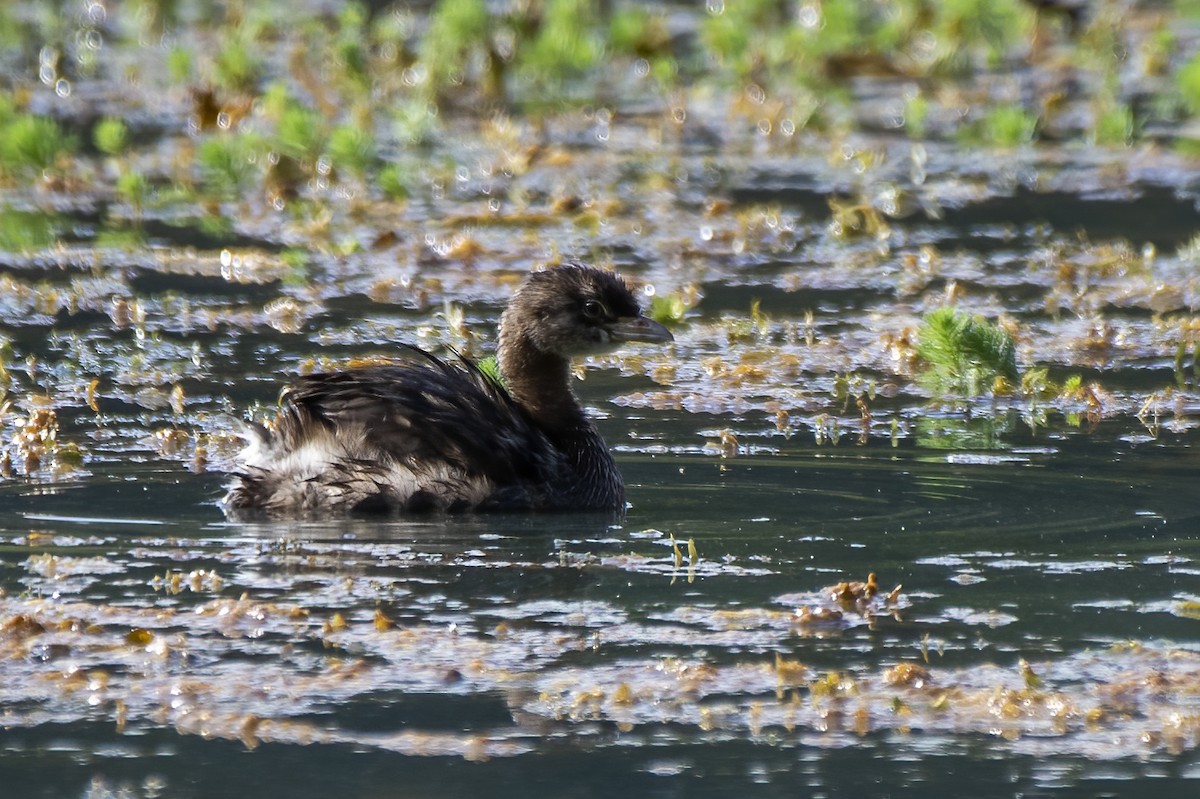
1187 81
236 66
134 188
25 231
227 161
301 132
352 149
1114 127
296 260
993 24
1008 126
566 42
965 354
179 65
729 34
394 183
1187 364
111 136
31 144
670 309
458 30
489 367
916 115
415 121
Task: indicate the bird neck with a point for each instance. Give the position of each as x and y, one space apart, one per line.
540 382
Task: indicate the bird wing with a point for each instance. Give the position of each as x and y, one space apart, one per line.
429 414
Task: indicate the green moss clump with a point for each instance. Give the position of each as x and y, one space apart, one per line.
415 122
31 144
352 149
996 24
670 309
489 367
25 231
965 354
458 30
393 182
301 132
134 188
236 66
179 65
110 136
227 162
566 42
1114 127
1187 81
1010 126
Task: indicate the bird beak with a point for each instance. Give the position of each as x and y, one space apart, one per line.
639 328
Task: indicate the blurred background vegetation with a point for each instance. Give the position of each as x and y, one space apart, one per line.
278 95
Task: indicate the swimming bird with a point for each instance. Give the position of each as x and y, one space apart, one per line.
427 434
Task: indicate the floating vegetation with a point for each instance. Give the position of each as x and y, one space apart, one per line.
671 309
25 231
32 445
490 368
31 145
111 136
1006 126
226 162
353 150
966 355
124 660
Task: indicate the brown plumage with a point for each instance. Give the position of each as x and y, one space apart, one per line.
427 434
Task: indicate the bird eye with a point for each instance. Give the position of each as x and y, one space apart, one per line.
593 309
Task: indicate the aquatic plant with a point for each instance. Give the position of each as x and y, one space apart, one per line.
24 231
738 37
296 260
965 354
180 65
300 132
415 121
393 181
110 136
457 35
1187 83
490 367
350 52
633 30
134 188
1114 126
916 115
124 239
32 144
352 149
226 161
35 444
997 25
671 309
1007 126
566 43
237 66
1187 369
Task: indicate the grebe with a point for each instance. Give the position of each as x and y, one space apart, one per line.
430 435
